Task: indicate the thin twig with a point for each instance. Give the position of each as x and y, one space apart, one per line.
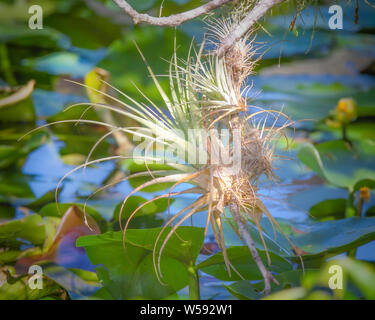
172 20
370 4
245 235
259 10
267 275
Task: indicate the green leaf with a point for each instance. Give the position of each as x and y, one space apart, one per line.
311 158
133 70
157 206
51 224
289 279
14 185
79 139
145 238
329 209
94 32
22 35
131 274
355 131
313 92
6 211
290 294
8 256
9 154
85 275
364 183
240 257
30 228
22 111
134 167
39 203
243 290
278 247
321 240
53 210
370 212
339 164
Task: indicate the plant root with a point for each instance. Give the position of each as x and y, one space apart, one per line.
267 275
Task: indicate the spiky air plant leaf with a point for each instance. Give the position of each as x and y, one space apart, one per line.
222 88
207 101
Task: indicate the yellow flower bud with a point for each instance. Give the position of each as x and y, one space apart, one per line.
346 110
364 193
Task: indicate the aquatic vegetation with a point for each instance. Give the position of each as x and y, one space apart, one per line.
208 96
207 141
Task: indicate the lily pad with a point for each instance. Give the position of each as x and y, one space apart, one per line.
53 210
355 131
321 240
310 98
331 208
131 273
241 259
244 290
339 164
134 202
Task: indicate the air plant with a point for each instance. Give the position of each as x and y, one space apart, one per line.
207 93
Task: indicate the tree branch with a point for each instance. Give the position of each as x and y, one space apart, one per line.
259 10
172 20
